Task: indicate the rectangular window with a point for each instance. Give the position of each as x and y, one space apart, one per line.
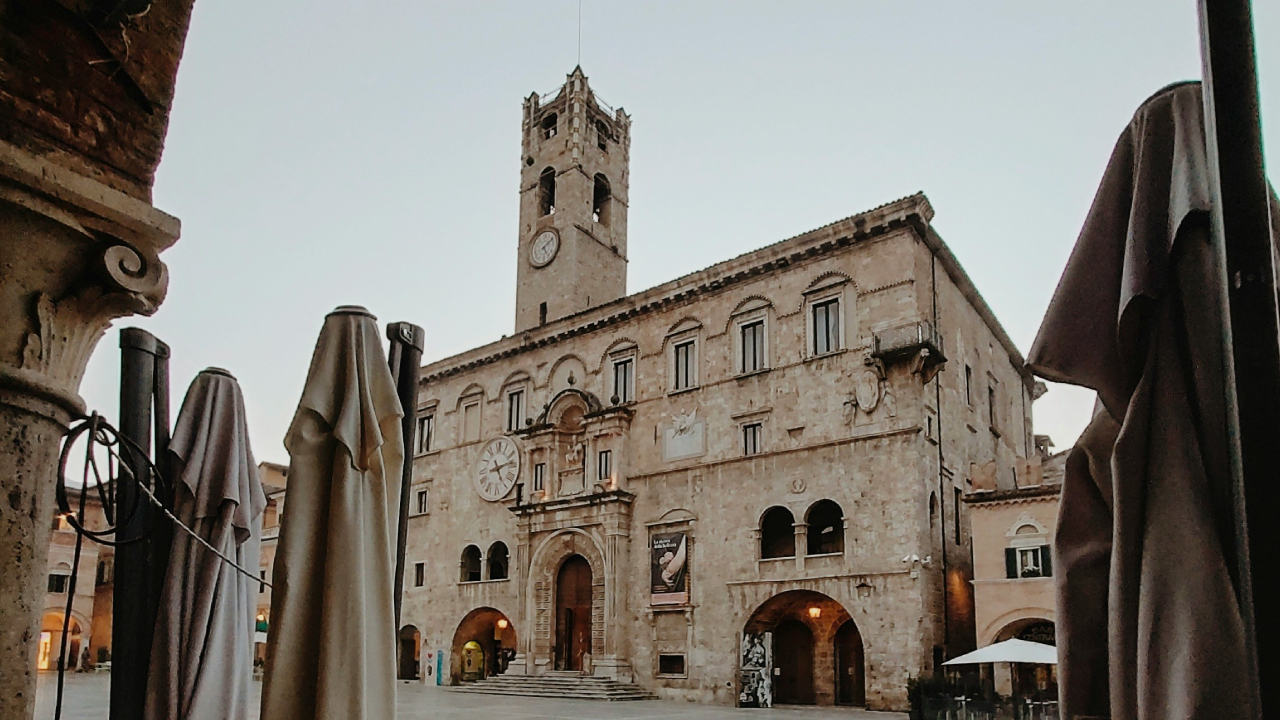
751 438
539 476
471 422
58 583
423 502
968 385
604 465
262 582
685 376
624 380
671 665
991 406
515 410
426 426
956 514
419 574
752 346
826 326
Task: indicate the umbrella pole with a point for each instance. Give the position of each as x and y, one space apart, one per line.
1240 222
143 370
405 358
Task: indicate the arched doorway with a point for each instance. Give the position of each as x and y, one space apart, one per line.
793 663
851 688
409 650
817 650
573 613
494 638
50 647
1024 680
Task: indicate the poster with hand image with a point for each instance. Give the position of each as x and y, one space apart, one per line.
756 671
669 569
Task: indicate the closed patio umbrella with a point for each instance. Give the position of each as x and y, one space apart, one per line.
331 640
202 652
1148 625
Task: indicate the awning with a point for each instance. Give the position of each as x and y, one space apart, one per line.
1010 651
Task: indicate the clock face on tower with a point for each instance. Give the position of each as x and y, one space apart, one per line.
497 468
544 248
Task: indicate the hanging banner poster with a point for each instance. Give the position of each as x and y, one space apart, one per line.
669 570
756 674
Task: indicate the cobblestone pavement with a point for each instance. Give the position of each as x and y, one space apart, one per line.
85 698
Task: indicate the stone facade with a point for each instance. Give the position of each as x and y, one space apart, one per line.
1013 529
90 625
855 363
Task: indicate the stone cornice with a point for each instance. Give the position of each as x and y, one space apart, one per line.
1017 495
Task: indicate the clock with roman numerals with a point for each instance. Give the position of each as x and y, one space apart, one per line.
497 468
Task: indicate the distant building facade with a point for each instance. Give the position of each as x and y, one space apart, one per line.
274 478
1013 528
91 598
751 472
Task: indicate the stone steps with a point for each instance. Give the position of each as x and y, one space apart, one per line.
557 685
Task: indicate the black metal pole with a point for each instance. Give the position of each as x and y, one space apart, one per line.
1241 219
405 357
133 615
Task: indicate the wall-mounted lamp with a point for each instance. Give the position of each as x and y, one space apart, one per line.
502 623
864 589
261 617
815 612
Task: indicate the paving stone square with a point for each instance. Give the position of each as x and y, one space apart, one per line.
85 698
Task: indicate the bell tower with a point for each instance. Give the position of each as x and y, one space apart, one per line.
573 204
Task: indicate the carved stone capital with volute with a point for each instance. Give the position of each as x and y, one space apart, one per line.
75 256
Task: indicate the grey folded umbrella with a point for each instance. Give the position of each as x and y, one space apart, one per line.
1149 625
331 639
202 652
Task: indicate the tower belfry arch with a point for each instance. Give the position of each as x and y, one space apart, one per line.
574 178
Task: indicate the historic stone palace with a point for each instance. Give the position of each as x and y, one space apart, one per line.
742 486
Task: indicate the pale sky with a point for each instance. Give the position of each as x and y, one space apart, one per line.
324 153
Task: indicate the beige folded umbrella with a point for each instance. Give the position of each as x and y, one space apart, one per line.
202 652
1149 625
331 640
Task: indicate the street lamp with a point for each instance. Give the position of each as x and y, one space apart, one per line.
815 612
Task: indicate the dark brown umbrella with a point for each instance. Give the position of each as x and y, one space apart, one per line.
1149 625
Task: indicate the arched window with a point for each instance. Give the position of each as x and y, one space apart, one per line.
777 533
601 201
826 528
548 126
497 561
470 564
547 192
933 508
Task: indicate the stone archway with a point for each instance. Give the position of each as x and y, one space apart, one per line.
813 649
543 575
1023 680
490 630
409 650
50 646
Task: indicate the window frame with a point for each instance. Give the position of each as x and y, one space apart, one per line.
759 346
687 380
752 434
419 574
684 665
422 501
426 419
516 395
471 401
626 358
604 465
539 477
823 336
63 584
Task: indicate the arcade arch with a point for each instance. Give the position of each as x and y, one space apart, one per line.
409 650
817 649
483 644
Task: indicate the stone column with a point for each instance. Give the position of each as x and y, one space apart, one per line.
75 254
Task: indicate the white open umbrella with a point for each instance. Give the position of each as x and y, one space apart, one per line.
1010 651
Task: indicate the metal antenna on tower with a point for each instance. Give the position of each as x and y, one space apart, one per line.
579 33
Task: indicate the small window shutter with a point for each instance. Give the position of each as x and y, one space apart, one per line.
1046 560
1011 562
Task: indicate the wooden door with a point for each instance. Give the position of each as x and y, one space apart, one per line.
850 672
793 663
573 613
